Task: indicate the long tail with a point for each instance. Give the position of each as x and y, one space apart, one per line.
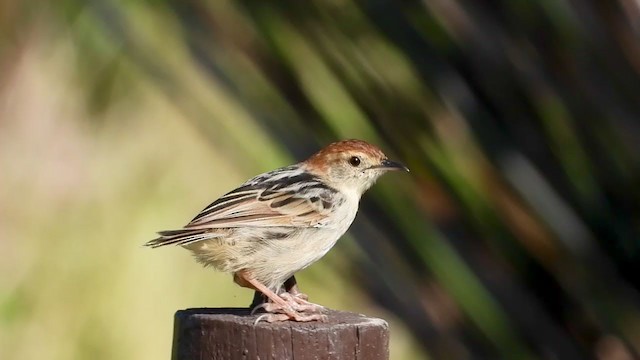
180 237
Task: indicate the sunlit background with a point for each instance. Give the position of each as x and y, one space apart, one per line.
516 235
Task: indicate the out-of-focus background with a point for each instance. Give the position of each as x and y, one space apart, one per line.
516 235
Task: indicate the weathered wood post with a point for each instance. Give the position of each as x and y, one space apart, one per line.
230 333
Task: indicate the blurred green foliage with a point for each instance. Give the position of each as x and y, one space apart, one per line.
516 235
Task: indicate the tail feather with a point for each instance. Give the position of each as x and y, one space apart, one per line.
179 237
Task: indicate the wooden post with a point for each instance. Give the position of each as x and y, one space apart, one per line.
230 333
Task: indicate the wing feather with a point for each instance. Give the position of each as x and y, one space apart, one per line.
287 197
276 208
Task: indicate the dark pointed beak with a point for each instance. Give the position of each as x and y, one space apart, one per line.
391 165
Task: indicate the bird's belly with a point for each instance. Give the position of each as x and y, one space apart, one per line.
281 258
309 247
271 255
270 261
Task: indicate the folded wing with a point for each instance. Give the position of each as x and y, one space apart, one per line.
251 206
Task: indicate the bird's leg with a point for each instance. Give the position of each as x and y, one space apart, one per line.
258 299
278 308
291 286
293 295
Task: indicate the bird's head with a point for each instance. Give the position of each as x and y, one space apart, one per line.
351 165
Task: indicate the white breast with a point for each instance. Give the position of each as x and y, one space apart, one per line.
310 244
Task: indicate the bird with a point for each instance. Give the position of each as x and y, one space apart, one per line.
280 222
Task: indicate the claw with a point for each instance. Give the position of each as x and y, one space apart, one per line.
299 303
274 308
280 307
301 296
311 317
292 307
258 307
276 317
271 318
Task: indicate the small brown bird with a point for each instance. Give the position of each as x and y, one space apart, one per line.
282 221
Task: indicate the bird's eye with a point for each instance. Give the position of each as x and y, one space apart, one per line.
354 161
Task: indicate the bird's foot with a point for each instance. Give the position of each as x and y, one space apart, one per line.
277 312
294 307
300 303
292 304
294 316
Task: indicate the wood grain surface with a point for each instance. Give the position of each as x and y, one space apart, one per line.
231 333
